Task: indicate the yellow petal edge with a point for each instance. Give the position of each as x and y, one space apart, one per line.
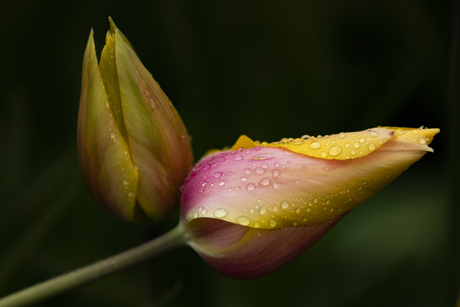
345 145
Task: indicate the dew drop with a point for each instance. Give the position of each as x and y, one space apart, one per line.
263 210
204 212
284 204
247 170
422 141
361 140
335 150
259 170
272 223
275 208
218 174
342 136
294 223
125 182
353 152
308 209
297 210
304 219
276 185
373 133
277 164
256 225
315 200
315 145
220 213
356 145
130 194
242 220
238 158
323 154
297 143
195 215
265 165
250 187
112 135
229 189
401 131
371 146
243 179
276 173
265 181
221 182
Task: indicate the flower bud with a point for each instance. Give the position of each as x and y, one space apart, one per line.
133 148
254 208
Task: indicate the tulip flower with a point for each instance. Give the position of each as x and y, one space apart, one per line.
133 148
253 208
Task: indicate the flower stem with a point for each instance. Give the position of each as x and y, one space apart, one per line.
96 271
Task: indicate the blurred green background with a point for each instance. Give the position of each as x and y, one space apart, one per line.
268 69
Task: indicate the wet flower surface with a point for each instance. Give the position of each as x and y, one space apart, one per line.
288 193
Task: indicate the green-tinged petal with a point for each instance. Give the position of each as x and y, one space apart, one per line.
157 138
104 155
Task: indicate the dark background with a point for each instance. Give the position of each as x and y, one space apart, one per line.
268 69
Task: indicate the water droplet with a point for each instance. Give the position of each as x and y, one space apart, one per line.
308 209
204 212
353 152
361 140
237 188
415 131
217 174
265 165
206 166
256 225
263 210
294 223
297 210
356 145
277 164
401 131
304 219
373 133
297 143
221 182
242 220
315 145
195 215
250 187
275 208
265 181
276 185
284 204
342 136
238 158
204 184
276 173
272 223
371 146
112 135
220 213
332 209
315 200
125 182
259 170
328 201
130 194
323 154
335 150
421 140
247 170
243 179
305 137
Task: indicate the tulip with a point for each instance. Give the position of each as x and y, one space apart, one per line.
253 208
133 148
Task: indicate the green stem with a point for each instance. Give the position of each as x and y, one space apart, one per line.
96 271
